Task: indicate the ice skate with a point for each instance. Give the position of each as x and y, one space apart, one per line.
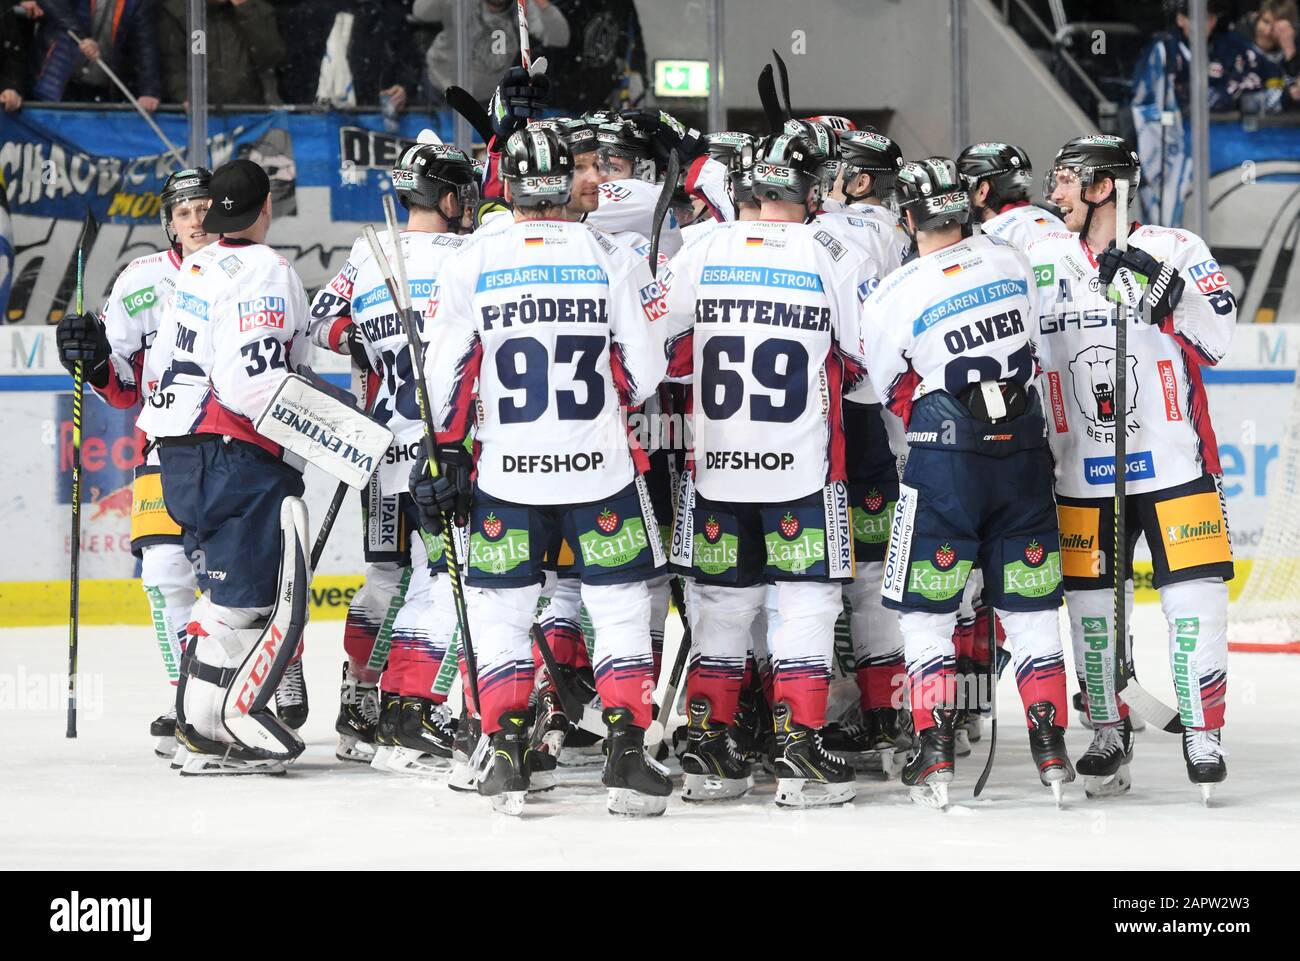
550 729
638 785
807 774
199 756
291 697
423 739
1206 768
929 771
505 782
1104 766
358 719
713 768
751 728
961 734
386 731
163 730
469 731
1047 744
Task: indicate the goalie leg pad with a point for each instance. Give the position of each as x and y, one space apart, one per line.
246 711
219 640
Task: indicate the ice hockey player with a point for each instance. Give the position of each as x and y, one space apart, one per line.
404 615
1180 314
734 151
951 346
240 319
554 323
999 178
763 320
120 363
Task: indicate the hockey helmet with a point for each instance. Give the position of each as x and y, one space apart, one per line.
1005 166
931 191
192 183
427 172
786 167
871 152
537 165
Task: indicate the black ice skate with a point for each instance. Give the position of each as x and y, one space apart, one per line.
291 697
163 730
929 771
505 781
1104 766
871 740
468 734
197 755
714 769
751 728
549 731
1047 744
808 775
358 719
638 784
423 739
390 705
1203 751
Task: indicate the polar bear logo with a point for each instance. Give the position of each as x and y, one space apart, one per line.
1093 374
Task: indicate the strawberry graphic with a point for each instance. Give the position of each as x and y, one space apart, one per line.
789 526
492 527
945 557
607 521
712 530
1034 553
874 501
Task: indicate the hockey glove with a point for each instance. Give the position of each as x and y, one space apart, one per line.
356 345
1124 273
520 97
448 493
81 337
668 135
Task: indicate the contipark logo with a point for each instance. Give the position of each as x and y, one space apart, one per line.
78 915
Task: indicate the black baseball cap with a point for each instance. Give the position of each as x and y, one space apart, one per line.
239 188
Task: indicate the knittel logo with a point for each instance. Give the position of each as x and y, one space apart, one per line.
75 915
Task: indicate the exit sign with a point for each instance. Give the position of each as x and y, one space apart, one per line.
681 78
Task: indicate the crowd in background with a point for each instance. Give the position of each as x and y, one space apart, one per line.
398 54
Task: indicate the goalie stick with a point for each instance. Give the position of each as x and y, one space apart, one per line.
1150 708
340 492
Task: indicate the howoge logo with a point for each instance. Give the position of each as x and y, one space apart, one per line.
75 914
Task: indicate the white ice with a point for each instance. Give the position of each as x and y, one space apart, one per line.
104 801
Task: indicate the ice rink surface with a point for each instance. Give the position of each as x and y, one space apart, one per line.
104 801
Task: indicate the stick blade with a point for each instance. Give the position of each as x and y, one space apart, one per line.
771 105
463 102
785 84
1150 708
661 208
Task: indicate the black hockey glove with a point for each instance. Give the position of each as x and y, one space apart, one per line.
356 345
81 337
668 135
448 493
519 97
1163 283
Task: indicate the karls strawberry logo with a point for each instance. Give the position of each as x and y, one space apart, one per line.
874 502
945 557
1034 553
789 526
492 527
607 521
712 530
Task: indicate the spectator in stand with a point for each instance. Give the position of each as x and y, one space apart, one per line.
603 64
493 37
1161 88
122 32
243 48
1265 76
17 30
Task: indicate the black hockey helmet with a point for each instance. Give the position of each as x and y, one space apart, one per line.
1092 158
192 183
617 137
577 133
825 146
734 150
1004 166
427 172
537 165
787 167
870 152
931 190
835 122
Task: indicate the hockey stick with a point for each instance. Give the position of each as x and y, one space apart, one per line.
88 230
340 492
1130 692
993 701
463 102
785 84
771 105
401 294
674 676
661 208
117 81
525 46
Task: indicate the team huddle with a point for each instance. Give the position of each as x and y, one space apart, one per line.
863 447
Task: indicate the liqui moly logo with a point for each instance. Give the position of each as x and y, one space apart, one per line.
261 312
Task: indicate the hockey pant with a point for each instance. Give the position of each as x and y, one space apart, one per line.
877 642
931 657
500 620
1196 613
169 582
421 635
371 616
801 645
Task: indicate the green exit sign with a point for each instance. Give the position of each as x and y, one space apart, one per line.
681 78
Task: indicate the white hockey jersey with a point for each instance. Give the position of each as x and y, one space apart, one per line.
559 326
131 316
763 320
239 325
1170 438
1022 224
952 318
629 206
357 294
